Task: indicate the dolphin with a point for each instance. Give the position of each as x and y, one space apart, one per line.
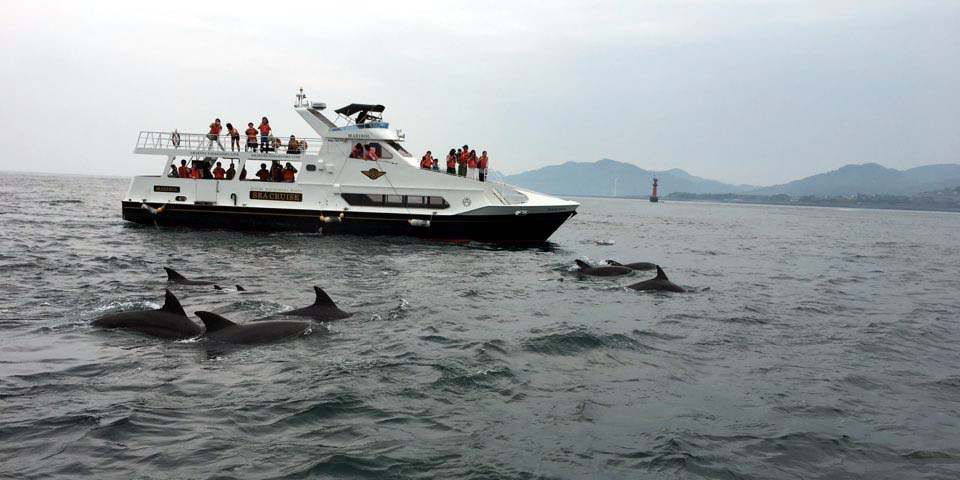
220 329
634 266
169 321
660 282
238 287
604 271
173 276
322 310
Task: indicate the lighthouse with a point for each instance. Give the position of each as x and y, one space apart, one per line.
653 196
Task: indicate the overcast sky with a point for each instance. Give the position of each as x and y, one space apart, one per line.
744 91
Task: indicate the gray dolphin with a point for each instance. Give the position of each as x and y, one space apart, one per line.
173 276
220 329
660 282
603 271
322 310
634 266
169 321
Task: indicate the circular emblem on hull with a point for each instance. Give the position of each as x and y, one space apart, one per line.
466 202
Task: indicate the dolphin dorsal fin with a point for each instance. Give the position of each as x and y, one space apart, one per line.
322 298
660 274
614 263
582 264
173 275
172 305
240 289
214 322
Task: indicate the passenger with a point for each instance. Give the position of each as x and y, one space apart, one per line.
462 162
206 174
243 172
173 171
231 172
264 134
214 135
196 171
452 162
276 171
426 162
482 165
275 143
293 146
234 137
263 174
357 151
372 154
184 170
303 146
472 165
218 173
251 137
289 173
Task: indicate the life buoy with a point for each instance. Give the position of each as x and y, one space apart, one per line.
175 139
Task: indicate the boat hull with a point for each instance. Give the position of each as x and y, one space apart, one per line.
531 228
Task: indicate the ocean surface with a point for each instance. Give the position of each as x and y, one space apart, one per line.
813 343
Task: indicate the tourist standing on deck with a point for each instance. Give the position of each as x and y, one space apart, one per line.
452 162
482 165
234 137
472 164
251 138
264 134
214 135
426 162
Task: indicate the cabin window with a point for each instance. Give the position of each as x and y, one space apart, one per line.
381 153
396 201
399 148
311 168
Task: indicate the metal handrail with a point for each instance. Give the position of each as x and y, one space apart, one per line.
202 141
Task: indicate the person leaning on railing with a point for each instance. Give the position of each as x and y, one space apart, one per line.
214 135
251 138
293 146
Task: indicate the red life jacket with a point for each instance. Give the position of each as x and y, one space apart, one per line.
195 173
218 173
472 162
451 161
183 171
372 155
234 133
215 129
251 135
288 174
483 162
264 129
426 162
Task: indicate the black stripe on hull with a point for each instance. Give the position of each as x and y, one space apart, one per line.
486 228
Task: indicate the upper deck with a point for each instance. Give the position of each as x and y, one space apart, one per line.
202 145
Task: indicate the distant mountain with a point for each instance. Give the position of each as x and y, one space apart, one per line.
601 178
870 178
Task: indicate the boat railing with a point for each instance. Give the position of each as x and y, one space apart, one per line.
190 143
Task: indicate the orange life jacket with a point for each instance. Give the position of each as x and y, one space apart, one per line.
293 145
215 129
426 162
195 173
264 129
183 171
451 161
218 173
472 162
483 162
372 155
234 133
251 135
288 174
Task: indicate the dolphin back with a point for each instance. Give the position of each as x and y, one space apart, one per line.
583 265
214 322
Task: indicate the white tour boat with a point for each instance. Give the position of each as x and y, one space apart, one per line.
333 193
